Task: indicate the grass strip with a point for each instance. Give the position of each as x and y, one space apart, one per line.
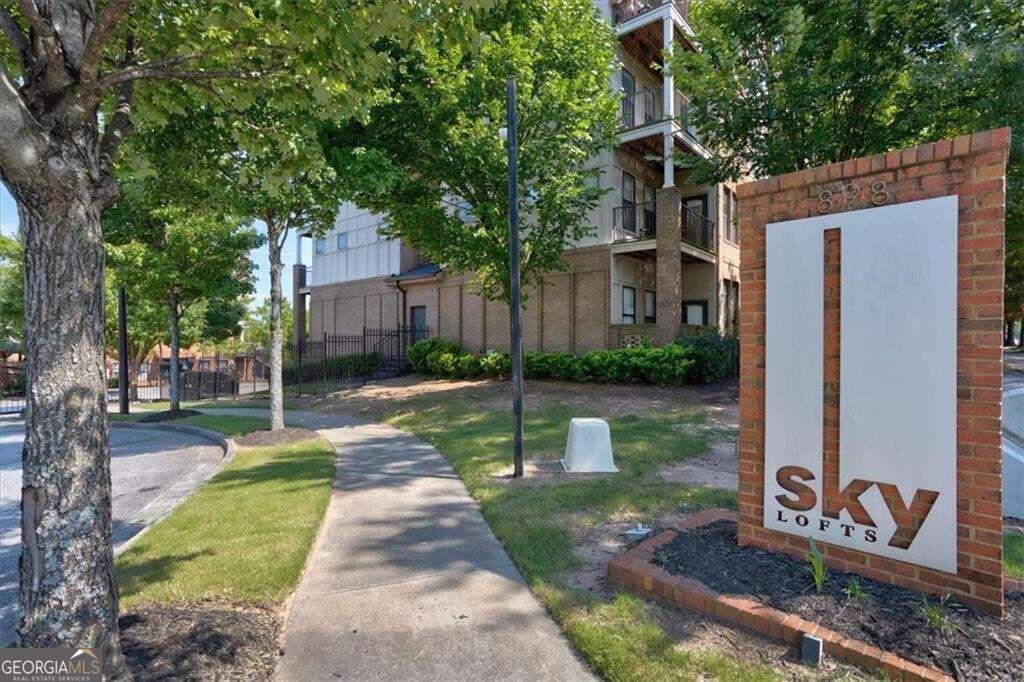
1013 554
243 537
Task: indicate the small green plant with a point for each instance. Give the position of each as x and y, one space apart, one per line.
937 615
853 590
817 568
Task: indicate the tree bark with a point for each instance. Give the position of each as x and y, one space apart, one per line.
175 378
1008 332
276 333
68 596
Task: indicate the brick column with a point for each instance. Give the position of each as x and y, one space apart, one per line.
669 282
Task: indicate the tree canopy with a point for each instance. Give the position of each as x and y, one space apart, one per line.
430 155
782 85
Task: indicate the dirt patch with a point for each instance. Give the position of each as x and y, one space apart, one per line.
544 471
717 468
388 396
285 436
168 415
958 640
202 641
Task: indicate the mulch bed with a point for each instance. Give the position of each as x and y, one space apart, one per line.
167 415
202 641
285 436
891 618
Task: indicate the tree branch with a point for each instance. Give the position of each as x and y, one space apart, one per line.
16 37
101 32
47 34
22 139
119 126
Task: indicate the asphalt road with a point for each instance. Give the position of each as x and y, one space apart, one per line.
149 469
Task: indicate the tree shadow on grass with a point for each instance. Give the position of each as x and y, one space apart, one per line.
134 576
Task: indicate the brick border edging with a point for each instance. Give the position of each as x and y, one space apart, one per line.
1012 585
634 570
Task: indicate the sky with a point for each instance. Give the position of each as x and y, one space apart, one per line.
9 226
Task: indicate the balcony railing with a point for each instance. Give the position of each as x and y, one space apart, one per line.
697 229
634 221
624 10
645 106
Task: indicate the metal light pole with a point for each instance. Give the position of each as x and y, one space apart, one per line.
122 352
515 309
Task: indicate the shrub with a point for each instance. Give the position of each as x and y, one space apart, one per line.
360 364
13 385
496 364
665 365
417 353
715 356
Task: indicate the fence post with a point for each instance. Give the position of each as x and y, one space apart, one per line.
298 368
216 376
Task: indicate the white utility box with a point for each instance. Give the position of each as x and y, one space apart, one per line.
588 449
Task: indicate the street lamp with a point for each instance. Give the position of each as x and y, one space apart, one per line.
515 308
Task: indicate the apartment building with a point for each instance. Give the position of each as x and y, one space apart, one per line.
663 254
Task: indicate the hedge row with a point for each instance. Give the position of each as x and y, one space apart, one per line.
694 358
360 364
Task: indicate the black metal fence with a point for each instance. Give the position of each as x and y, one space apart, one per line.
12 388
333 362
314 367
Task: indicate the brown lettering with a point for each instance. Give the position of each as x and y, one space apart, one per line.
787 477
908 519
848 498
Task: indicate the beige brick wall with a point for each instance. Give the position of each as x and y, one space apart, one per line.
570 311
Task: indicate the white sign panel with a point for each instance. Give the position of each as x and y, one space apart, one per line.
894 494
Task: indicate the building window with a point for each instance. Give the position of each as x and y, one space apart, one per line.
628 305
650 307
342 241
628 99
319 246
730 229
628 203
732 302
695 313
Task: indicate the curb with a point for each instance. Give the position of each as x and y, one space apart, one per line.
634 570
216 437
159 508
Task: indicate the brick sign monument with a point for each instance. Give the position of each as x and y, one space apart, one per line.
871 313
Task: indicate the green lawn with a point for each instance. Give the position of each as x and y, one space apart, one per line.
620 638
244 536
1013 554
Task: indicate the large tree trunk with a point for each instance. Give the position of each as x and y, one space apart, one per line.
68 596
276 333
175 387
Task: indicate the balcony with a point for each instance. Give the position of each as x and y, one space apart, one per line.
698 230
634 221
645 107
624 10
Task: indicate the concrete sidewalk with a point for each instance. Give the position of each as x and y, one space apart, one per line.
406 580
